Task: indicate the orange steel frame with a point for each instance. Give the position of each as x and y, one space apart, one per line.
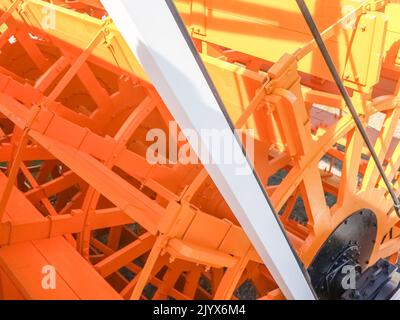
75 109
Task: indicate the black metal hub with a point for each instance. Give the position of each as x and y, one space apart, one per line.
379 282
349 246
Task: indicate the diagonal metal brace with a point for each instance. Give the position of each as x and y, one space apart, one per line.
324 51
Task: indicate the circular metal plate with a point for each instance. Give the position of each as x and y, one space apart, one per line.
351 243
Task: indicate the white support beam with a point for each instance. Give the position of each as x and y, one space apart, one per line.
396 296
157 39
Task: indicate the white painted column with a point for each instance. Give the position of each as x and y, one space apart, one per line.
396 296
157 39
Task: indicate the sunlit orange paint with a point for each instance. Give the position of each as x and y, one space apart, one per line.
75 107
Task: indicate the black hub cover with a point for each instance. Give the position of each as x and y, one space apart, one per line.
350 244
